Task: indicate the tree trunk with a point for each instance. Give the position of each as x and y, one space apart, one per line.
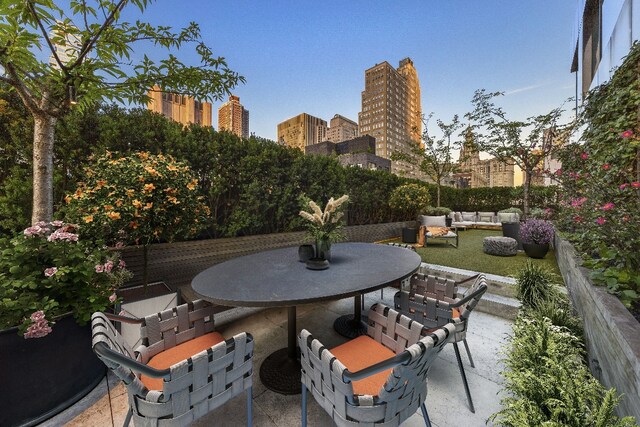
438 196
526 185
43 137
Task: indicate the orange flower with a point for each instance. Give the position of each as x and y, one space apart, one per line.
88 219
173 200
130 193
108 207
100 183
67 199
149 188
171 191
192 184
136 203
172 168
148 206
133 224
113 215
118 203
151 171
141 178
143 155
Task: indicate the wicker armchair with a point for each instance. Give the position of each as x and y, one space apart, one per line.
377 379
183 369
433 302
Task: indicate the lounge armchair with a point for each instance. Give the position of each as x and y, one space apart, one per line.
182 371
429 223
433 303
378 379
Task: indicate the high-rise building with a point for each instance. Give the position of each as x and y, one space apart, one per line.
302 130
475 172
392 112
180 108
341 129
233 117
66 47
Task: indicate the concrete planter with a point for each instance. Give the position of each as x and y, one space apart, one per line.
612 333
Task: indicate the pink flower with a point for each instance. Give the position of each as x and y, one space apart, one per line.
608 206
627 134
119 245
50 271
606 166
559 172
57 223
39 326
584 156
113 297
99 268
635 184
623 186
108 266
577 218
600 220
122 264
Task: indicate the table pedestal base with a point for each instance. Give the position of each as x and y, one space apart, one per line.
280 373
350 328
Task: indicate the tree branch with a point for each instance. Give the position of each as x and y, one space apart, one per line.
46 37
86 48
23 91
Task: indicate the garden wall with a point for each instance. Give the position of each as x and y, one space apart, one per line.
178 263
612 334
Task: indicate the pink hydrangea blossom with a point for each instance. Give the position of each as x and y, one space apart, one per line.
57 223
113 297
584 156
608 206
39 326
627 134
600 220
50 271
62 235
99 268
32 231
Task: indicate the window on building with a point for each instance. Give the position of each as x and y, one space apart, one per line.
591 41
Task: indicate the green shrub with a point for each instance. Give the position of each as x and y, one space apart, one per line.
534 285
513 210
436 211
560 313
409 200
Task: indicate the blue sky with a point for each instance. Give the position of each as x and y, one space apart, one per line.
303 56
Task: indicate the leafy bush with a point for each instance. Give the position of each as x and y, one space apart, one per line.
513 210
47 271
535 285
436 211
409 200
536 231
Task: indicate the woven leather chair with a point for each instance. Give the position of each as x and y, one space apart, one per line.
378 379
433 302
183 369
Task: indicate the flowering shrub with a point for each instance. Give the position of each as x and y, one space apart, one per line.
139 199
47 271
601 183
536 231
409 200
325 225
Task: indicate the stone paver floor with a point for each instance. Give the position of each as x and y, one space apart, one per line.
446 400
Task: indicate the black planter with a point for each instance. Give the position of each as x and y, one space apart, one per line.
534 250
512 229
44 376
305 252
317 264
409 235
448 221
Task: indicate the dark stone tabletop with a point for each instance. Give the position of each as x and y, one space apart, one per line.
276 278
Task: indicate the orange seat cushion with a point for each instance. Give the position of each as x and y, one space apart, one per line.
361 353
176 354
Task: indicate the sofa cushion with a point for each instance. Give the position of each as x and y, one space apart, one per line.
507 217
433 221
485 216
457 216
468 216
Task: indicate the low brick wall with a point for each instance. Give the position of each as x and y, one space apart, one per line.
612 333
178 263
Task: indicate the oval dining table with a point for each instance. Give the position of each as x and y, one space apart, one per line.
276 278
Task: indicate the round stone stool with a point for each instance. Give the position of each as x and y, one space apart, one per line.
499 245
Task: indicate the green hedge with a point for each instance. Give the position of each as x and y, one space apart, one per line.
252 186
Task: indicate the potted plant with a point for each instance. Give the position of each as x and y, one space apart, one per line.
439 211
51 281
324 228
510 220
408 201
536 234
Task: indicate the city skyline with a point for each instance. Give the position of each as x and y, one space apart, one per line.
295 61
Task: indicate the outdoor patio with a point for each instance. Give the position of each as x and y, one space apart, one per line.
446 401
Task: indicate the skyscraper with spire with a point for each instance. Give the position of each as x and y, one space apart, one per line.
392 112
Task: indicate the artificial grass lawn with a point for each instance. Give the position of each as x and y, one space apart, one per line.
469 255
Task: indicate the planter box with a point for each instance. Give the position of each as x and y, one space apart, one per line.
612 334
41 377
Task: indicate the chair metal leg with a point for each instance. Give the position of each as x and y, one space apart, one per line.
466 346
464 377
425 415
249 407
304 405
127 419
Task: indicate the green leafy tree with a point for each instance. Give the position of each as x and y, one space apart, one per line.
409 200
100 66
526 143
